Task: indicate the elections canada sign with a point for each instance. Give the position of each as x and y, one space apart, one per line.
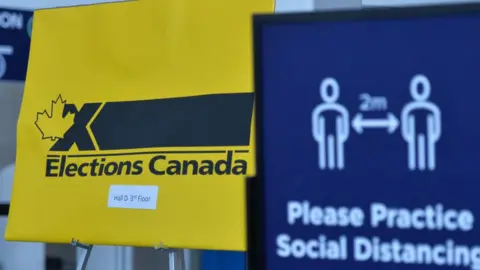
147 146
125 136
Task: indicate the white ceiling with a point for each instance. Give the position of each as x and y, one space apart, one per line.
281 5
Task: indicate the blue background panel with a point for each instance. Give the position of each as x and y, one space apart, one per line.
15 32
378 57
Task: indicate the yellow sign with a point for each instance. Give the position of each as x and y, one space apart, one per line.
136 126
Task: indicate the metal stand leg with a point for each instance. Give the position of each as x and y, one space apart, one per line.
83 260
181 258
176 258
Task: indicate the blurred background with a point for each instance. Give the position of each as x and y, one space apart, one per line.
15 31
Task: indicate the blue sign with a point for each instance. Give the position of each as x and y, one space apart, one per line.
15 31
368 140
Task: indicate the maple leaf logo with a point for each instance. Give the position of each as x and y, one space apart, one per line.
53 124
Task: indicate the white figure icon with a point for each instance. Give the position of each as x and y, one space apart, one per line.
421 147
330 147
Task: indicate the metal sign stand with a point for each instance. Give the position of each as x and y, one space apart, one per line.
83 260
176 257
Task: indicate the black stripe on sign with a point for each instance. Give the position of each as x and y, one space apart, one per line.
209 120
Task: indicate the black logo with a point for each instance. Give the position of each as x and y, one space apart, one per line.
134 128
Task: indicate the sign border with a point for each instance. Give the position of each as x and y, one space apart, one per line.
256 185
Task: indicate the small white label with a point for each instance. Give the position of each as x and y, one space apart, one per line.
133 197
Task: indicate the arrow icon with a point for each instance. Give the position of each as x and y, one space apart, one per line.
390 123
6 49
